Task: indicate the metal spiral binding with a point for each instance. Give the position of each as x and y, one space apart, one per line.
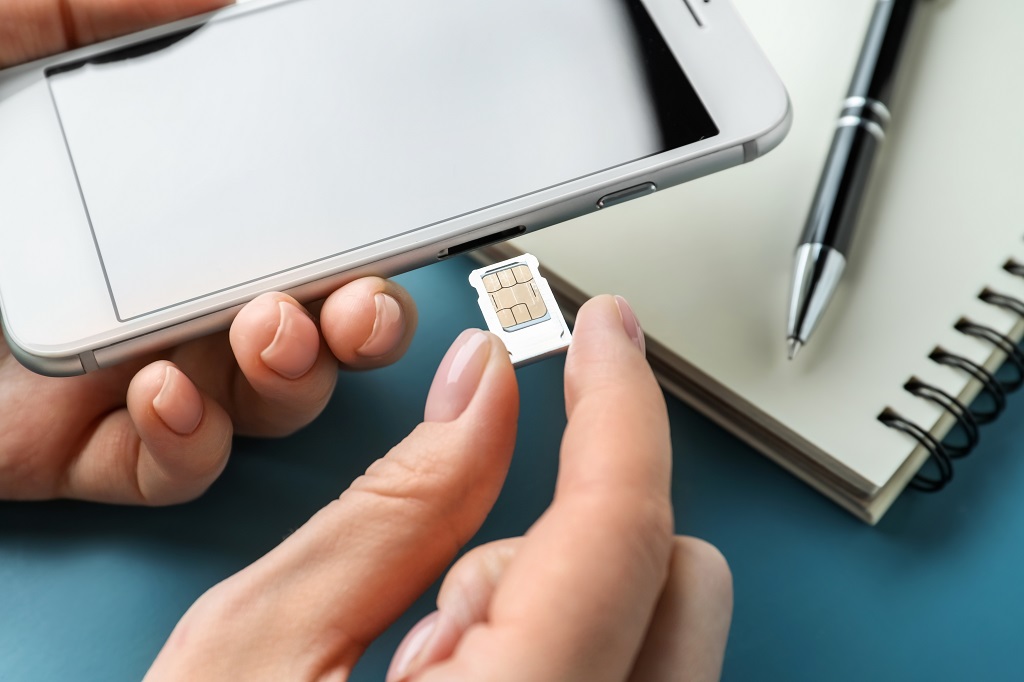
1012 304
1004 343
929 442
960 412
968 418
989 384
1014 268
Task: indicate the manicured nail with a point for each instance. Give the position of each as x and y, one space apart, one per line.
295 346
388 328
458 376
412 646
631 324
178 404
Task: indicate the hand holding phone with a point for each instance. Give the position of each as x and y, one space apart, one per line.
295 145
157 430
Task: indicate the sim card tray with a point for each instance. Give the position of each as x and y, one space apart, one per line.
520 309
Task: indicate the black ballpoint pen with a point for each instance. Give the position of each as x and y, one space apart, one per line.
860 132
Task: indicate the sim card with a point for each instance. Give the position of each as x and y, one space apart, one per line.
520 309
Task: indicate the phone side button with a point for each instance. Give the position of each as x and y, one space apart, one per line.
627 194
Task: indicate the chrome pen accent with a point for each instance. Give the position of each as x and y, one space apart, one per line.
817 273
860 131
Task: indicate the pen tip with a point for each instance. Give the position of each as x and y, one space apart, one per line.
794 347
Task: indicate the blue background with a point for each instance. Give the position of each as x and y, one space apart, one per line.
90 592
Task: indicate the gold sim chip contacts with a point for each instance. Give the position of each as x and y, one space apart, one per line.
515 297
519 308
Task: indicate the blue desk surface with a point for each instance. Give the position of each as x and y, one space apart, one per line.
90 592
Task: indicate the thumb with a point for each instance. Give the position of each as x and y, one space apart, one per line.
310 607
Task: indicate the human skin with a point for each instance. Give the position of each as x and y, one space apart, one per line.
600 588
158 430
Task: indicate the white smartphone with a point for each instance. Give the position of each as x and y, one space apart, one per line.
152 184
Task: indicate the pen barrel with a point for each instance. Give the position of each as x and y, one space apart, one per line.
875 74
837 201
861 129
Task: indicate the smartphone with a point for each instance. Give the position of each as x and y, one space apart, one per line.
153 184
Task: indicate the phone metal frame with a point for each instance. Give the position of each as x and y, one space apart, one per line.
727 69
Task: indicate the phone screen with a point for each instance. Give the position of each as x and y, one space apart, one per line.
267 140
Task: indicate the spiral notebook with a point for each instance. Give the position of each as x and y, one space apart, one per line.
909 336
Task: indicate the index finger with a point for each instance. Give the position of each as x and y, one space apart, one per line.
576 601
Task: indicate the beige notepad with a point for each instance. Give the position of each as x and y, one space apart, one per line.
707 265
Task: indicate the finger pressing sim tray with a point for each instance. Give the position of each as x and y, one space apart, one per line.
520 309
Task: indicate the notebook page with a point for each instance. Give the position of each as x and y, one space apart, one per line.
707 265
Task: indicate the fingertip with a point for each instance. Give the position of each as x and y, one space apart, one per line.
499 393
462 602
457 377
296 343
462 374
161 398
287 372
388 328
185 436
369 322
608 348
273 334
631 325
408 656
607 321
178 403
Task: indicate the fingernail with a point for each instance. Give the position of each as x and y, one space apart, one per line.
178 404
292 352
414 644
388 328
458 376
631 324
